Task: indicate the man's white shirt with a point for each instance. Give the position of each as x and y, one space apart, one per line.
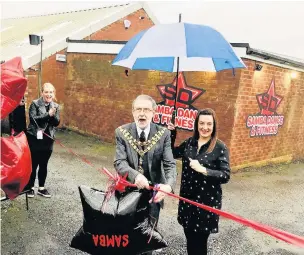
146 130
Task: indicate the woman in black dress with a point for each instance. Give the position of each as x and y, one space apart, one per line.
205 166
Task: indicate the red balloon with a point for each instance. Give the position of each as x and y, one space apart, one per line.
16 164
13 85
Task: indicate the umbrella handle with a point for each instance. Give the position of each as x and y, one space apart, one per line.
173 116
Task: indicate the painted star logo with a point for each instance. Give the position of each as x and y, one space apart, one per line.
186 95
269 101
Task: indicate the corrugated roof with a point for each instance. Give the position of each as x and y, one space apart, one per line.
55 28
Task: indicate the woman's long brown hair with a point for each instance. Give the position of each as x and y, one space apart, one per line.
207 111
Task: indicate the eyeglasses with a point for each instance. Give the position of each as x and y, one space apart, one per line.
145 110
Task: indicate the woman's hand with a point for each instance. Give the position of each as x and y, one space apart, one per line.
171 126
52 111
195 165
160 195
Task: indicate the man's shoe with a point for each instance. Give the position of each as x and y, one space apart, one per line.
43 193
31 193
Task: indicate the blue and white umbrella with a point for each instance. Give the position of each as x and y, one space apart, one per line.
178 47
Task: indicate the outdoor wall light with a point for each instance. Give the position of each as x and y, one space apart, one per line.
258 67
141 17
293 75
127 23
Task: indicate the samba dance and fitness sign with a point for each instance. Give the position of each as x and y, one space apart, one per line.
267 121
185 112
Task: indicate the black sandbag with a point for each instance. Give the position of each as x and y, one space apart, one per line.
124 226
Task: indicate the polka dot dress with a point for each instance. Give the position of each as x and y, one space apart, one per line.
199 187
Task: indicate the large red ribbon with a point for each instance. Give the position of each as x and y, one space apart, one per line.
120 183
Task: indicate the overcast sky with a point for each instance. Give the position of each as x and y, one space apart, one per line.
275 26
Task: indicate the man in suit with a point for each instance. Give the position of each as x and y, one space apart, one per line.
143 152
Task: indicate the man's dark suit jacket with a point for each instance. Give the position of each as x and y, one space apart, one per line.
162 165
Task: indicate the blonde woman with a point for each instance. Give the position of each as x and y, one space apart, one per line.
44 117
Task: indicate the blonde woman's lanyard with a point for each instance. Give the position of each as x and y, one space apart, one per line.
40 131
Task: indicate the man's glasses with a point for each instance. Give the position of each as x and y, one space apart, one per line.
145 110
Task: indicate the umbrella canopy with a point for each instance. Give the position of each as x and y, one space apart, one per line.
178 47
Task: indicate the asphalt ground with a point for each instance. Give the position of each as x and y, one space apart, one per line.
271 195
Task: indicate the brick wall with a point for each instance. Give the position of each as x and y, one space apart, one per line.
32 89
96 97
102 86
55 72
287 144
117 32
105 94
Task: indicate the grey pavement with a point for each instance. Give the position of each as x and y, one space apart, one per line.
270 195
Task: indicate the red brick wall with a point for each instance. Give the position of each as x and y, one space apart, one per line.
32 91
55 72
99 98
117 32
109 93
52 71
289 141
96 97
221 94
104 94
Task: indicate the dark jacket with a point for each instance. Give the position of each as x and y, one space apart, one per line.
40 118
162 165
199 187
